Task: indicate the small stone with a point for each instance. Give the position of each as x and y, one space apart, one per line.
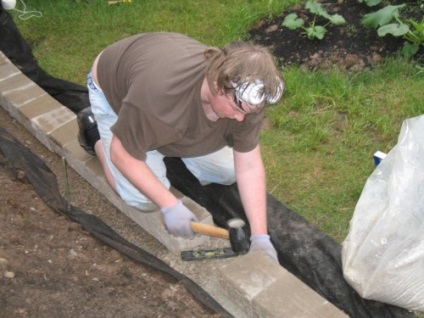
74 227
20 175
351 60
9 274
72 254
3 264
376 58
272 28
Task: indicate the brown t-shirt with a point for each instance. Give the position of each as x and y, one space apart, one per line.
153 82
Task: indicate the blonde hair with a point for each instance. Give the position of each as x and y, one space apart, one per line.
241 62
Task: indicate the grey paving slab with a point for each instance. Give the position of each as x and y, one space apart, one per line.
262 288
286 296
65 134
53 119
20 89
38 106
7 69
245 277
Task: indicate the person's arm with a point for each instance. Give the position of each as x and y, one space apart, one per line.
177 216
140 175
250 174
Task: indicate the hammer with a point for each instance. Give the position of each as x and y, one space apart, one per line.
236 234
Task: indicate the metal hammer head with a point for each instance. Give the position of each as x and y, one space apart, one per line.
238 238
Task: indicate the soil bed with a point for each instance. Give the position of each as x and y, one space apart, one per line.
350 46
51 267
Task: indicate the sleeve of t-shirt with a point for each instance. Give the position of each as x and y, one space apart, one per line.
246 132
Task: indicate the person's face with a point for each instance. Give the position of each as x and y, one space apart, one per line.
228 106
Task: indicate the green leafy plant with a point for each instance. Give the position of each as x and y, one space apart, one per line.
313 31
388 21
370 3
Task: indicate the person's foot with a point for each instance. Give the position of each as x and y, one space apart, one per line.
88 133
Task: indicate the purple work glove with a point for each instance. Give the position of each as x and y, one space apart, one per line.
178 219
262 242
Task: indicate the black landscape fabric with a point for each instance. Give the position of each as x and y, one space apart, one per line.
309 254
312 256
45 185
19 52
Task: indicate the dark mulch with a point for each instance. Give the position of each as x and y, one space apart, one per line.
350 46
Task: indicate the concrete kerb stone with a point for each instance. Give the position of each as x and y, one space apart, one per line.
254 280
250 282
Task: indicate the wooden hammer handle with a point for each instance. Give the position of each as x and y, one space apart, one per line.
209 230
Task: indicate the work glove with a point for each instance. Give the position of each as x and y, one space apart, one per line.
178 219
262 242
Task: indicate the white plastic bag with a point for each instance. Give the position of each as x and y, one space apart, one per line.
383 254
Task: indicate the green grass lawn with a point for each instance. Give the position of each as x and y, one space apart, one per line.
318 147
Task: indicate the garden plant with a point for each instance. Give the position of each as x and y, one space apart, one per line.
312 30
388 20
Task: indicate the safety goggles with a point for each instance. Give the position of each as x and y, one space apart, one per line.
252 94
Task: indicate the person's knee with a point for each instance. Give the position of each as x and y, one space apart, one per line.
222 175
228 175
214 168
98 147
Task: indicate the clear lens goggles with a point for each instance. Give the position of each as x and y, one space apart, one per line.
252 93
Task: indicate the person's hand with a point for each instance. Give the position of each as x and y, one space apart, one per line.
178 219
262 242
